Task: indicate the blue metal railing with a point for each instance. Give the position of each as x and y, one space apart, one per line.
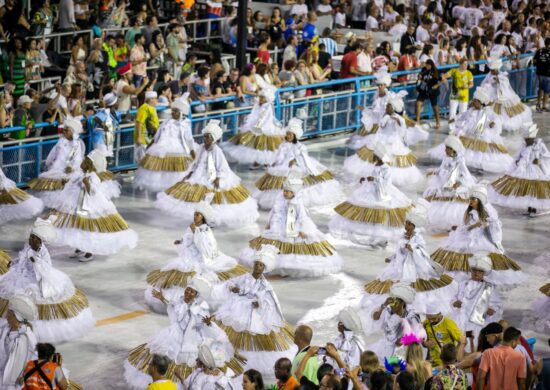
335 110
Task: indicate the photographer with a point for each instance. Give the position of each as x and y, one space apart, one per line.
45 373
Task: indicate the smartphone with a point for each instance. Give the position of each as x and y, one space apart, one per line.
322 351
469 334
340 372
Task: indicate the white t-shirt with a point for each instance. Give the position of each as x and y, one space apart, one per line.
340 18
390 17
124 99
299 10
422 35
364 62
359 11
397 31
324 8
471 18
62 104
372 23
458 11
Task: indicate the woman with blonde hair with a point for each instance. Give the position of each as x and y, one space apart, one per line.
420 369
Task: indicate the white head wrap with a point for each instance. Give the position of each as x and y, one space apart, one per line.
43 229
98 159
205 208
480 261
201 286
212 354
213 128
383 78
404 292
293 184
530 130
74 124
268 93
397 103
268 256
301 113
350 319
482 95
295 126
150 95
479 191
182 105
23 308
432 308
418 214
382 153
495 63
453 142
110 99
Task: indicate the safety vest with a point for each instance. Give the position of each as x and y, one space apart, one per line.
39 375
110 54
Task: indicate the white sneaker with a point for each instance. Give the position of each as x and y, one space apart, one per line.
77 254
85 259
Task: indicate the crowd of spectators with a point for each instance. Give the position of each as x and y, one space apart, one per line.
131 53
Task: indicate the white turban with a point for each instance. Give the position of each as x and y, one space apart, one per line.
397 103
404 292
350 319
482 95
418 214
182 105
43 229
383 78
206 210
295 126
110 99
382 153
530 130
212 354
74 124
268 256
293 184
268 93
454 143
98 159
495 63
480 261
213 128
479 191
23 308
201 286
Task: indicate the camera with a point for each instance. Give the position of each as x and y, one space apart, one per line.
322 351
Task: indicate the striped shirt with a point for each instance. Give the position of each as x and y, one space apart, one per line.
330 45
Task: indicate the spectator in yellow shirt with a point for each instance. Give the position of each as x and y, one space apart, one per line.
442 330
462 81
157 370
146 125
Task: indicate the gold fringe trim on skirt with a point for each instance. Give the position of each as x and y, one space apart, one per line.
194 193
268 182
257 141
511 111
322 248
409 122
43 184
70 308
513 186
109 224
74 386
454 261
4 261
482 146
387 217
140 357
13 196
401 161
363 132
175 278
545 289
170 163
246 341
421 285
106 175
435 198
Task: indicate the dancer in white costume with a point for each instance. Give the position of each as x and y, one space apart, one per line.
17 341
396 319
480 232
303 250
448 187
210 173
504 100
539 318
477 302
170 154
372 116
479 131
348 343
16 203
320 187
253 319
63 161
411 264
390 134
198 254
375 212
208 374
260 136
190 325
86 219
64 313
527 186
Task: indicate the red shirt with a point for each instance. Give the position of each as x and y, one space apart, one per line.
503 366
263 55
406 61
348 61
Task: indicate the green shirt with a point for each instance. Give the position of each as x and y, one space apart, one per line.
22 118
310 371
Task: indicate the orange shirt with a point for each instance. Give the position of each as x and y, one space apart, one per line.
290 384
503 366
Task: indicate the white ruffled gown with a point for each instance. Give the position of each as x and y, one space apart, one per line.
65 154
375 213
17 347
320 186
90 222
433 287
258 139
479 131
462 243
16 203
233 206
311 256
506 103
448 193
198 254
180 342
64 313
260 334
371 118
167 159
528 184
391 134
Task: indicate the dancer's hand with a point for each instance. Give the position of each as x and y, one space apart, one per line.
408 247
490 312
387 260
536 161
158 294
302 235
177 242
370 178
207 320
235 290
32 259
361 180
216 183
255 304
457 304
68 170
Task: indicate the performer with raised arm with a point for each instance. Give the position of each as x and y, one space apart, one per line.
170 154
210 173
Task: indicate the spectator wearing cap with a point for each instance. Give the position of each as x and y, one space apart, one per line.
441 330
125 89
146 125
23 118
106 123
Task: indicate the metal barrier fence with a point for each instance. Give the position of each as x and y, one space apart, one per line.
336 109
